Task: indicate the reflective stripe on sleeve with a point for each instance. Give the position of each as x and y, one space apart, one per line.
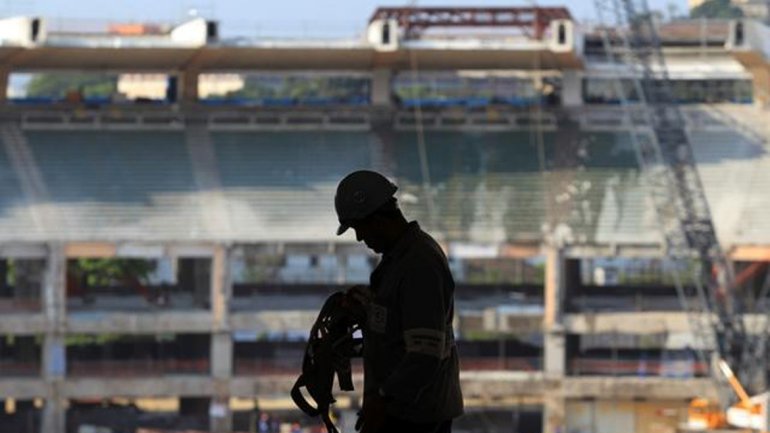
426 341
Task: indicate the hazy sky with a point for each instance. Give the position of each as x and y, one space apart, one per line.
255 17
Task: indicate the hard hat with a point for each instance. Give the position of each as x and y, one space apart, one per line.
359 194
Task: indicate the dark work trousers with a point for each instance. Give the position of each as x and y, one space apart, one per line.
395 425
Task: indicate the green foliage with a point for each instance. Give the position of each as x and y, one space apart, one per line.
497 271
100 339
58 85
482 335
106 272
86 339
10 273
716 9
258 87
261 268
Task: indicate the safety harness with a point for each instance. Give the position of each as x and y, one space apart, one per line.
329 350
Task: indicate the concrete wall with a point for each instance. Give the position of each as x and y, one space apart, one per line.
625 416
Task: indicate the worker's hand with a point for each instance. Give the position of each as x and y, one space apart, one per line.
360 294
372 414
357 300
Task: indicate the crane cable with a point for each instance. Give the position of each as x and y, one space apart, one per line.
422 151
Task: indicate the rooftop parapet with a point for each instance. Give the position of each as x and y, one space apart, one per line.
34 31
749 41
22 31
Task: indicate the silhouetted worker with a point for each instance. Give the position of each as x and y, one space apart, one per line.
411 372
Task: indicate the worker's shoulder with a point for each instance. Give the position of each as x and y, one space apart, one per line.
424 250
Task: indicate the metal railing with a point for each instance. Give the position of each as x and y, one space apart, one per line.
137 367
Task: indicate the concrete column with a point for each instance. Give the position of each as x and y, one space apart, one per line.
571 88
221 287
4 74
221 356
553 318
381 87
761 85
54 365
188 86
220 416
554 366
554 413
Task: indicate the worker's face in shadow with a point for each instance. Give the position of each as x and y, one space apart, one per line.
370 231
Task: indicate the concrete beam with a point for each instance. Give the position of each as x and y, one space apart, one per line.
22 324
523 251
140 323
23 389
751 253
190 386
487 385
637 387
626 323
604 250
23 251
492 385
641 323
499 384
266 321
90 250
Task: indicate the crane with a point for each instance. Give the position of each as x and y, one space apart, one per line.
656 124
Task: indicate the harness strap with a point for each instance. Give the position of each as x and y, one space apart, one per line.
328 353
299 399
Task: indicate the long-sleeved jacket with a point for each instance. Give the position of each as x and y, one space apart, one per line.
410 354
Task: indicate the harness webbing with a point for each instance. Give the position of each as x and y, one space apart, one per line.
329 350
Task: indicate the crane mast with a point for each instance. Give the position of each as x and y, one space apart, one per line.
665 155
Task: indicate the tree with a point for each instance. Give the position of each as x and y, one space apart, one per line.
716 9
297 87
106 272
58 85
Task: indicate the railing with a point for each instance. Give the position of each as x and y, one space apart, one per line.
608 119
637 367
131 302
19 369
87 119
20 305
628 303
280 367
137 368
290 119
492 120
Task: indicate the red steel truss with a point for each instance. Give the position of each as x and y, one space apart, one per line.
528 19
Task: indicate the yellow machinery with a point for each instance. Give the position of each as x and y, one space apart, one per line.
749 413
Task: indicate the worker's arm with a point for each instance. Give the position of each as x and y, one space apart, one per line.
423 321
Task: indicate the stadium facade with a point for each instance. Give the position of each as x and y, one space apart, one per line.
231 201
